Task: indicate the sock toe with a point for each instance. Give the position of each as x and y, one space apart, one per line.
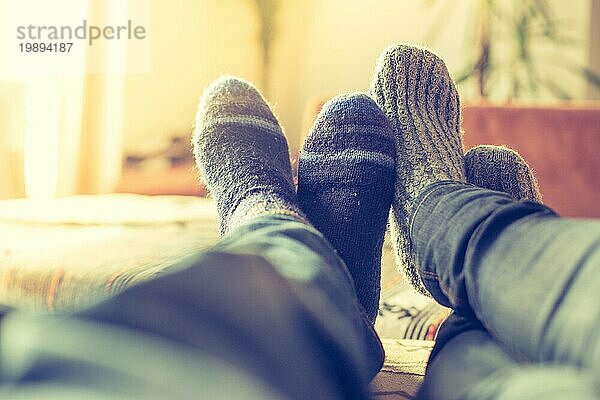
231 100
502 169
350 124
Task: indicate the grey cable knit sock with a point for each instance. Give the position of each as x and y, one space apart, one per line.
502 169
414 89
242 154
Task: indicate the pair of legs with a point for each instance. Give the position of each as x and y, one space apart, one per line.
269 313
522 282
504 266
273 312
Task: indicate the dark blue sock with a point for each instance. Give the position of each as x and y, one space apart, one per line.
346 184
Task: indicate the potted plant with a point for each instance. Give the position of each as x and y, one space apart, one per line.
560 141
518 27
267 11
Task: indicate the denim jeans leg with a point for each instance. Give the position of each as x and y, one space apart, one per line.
272 298
529 276
468 364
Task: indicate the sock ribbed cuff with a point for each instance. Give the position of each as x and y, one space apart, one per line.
260 204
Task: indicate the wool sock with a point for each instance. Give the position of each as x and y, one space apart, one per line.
346 179
414 89
502 169
242 154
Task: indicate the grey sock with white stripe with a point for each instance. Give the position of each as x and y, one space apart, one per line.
502 169
413 87
346 177
242 154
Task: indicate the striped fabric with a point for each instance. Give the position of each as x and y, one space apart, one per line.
350 156
346 177
251 121
242 154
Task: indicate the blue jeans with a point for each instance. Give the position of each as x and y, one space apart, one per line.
269 313
469 364
524 285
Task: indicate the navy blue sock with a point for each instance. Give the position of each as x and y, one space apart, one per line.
346 181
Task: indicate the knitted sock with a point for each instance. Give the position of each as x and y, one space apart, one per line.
346 181
502 169
413 87
242 154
